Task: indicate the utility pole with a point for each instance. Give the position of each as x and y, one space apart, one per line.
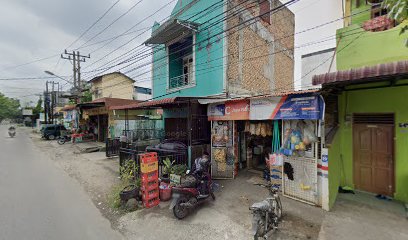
46 103
77 58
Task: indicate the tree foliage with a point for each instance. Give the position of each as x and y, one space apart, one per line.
38 108
397 9
9 108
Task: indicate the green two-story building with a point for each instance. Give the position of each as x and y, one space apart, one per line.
366 104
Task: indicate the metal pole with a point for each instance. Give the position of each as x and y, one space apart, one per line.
79 73
46 103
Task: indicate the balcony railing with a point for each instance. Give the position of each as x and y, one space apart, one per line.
180 81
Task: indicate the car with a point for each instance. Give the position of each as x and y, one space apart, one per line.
52 131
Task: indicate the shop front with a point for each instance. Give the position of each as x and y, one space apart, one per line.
280 136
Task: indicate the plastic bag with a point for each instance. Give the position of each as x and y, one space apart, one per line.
308 134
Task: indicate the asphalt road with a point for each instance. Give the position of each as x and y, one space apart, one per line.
38 200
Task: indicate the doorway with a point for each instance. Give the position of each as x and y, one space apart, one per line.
373 153
103 124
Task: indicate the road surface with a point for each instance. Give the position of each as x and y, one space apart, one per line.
38 200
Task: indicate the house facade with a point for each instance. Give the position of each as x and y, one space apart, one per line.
217 51
112 85
365 105
225 52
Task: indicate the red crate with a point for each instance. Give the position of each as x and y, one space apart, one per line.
150 185
151 176
149 157
147 195
151 203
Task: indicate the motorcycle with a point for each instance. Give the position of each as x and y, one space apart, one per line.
187 196
63 139
12 132
266 214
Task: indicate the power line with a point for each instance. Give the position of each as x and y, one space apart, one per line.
113 22
93 24
176 14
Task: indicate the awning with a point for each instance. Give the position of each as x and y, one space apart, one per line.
173 28
152 103
380 72
90 105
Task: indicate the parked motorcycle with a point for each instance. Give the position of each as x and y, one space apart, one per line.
266 214
63 139
188 195
12 131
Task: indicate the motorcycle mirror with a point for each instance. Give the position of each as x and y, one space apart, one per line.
188 171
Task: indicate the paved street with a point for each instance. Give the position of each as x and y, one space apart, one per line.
38 200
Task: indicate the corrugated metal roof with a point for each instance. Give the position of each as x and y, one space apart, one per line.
172 29
376 72
152 103
110 103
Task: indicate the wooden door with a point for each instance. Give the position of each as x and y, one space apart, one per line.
373 158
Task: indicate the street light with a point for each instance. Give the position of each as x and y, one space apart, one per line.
55 75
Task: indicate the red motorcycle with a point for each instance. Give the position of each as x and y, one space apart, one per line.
189 194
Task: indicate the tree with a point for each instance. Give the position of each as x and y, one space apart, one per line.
86 96
9 108
38 108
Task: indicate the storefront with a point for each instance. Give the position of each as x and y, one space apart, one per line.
252 133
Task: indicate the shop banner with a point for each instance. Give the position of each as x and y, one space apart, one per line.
216 109
231 110
301 106
264 108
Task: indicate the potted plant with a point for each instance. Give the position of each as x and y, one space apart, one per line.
132 185
167 170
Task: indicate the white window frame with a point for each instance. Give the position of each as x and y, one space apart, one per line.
192 81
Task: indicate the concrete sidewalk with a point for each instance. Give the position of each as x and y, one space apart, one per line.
363 216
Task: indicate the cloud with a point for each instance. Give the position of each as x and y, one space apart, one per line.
37 29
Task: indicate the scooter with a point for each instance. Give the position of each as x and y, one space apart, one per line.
266 214
12 132
186 198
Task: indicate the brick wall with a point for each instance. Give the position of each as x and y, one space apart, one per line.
260 55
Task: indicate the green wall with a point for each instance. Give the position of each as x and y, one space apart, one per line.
363 16
382 100
359 48
334 169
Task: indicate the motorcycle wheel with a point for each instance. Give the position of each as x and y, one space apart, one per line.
278 210
51 137
260 231
61 141
179 211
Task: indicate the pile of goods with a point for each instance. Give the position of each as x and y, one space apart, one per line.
220 156
259 129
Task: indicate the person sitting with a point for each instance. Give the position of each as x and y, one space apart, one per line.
200 170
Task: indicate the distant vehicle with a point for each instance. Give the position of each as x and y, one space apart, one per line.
12 131
52 131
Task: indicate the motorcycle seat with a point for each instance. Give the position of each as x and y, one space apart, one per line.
263 205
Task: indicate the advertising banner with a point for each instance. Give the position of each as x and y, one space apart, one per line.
231 110
301 106
265 108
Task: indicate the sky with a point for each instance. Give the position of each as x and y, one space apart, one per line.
43 29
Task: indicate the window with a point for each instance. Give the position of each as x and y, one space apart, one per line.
265 8
181 64
187 69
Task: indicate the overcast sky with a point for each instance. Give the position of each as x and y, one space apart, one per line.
31 30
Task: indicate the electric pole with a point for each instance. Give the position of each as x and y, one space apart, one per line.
76 58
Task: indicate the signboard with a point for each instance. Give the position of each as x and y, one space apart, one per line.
290 107
27 112
265 108
231 110
301 106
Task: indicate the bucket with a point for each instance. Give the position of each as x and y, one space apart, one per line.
164 191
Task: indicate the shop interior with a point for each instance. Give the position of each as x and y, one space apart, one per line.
256 140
